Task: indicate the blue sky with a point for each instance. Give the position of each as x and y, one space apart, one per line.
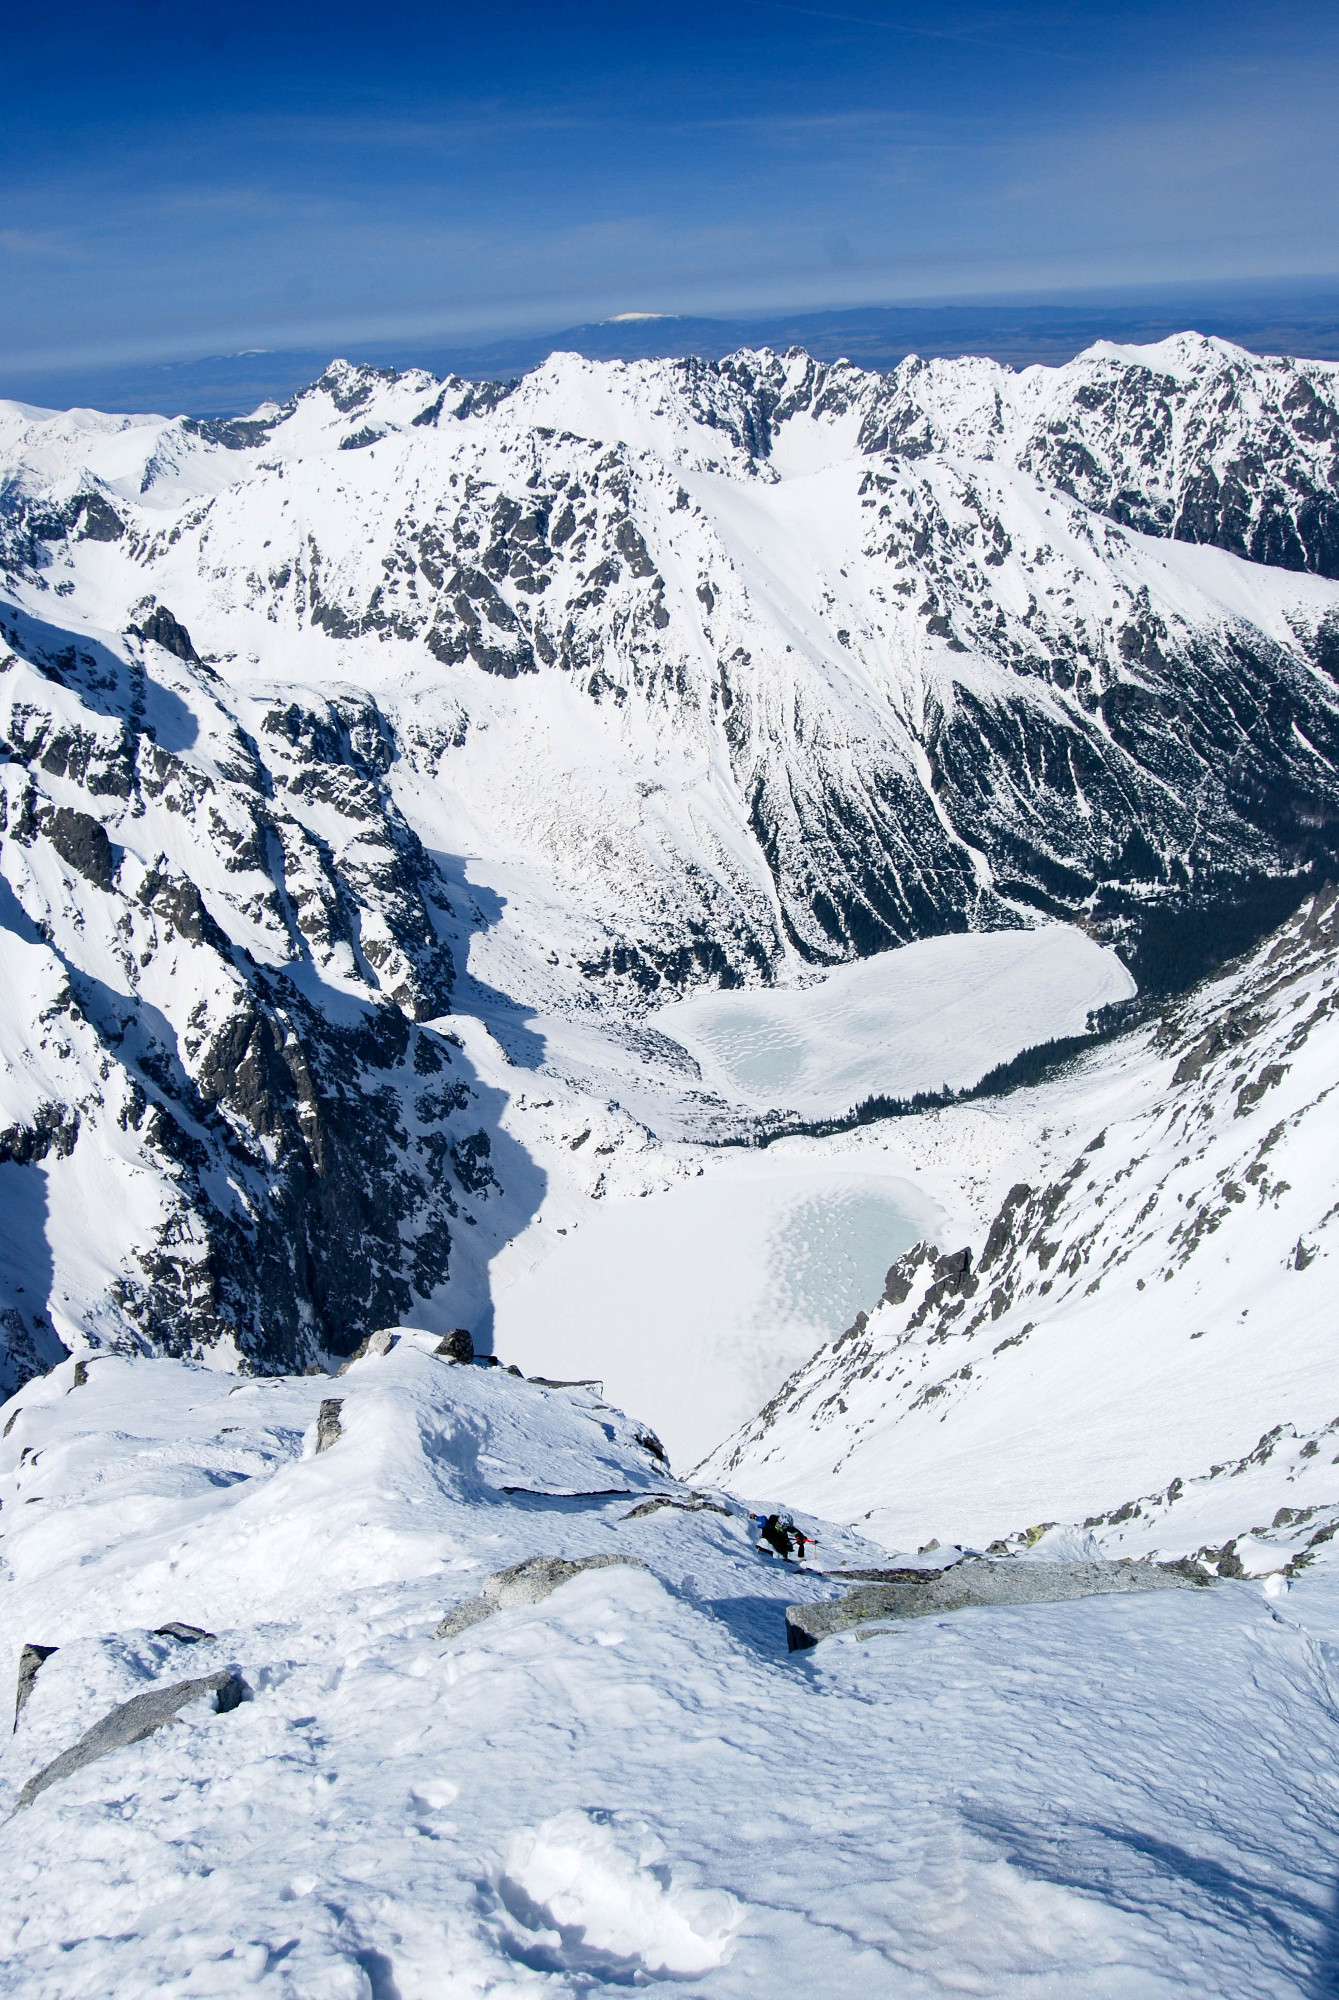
181 181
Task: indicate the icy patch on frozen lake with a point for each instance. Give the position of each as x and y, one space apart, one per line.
940 1012
694 1306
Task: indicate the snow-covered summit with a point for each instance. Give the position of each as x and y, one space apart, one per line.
617 1775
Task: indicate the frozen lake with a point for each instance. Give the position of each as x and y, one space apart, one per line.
694 1306
942 1011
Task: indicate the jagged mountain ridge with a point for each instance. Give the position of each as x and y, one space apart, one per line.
1139 1345
715 670
898 675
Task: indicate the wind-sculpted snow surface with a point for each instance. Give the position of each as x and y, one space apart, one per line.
614 682
624 1780
1139 1353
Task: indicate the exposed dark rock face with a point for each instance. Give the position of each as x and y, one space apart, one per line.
311 1183
30 1663
82 841
54 1129
167 632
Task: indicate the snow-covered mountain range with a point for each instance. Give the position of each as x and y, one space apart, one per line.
461 850
333 733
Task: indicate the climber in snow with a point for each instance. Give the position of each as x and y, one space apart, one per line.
782 1537
773 1534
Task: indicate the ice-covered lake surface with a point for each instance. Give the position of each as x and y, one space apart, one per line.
940 1012
693 1306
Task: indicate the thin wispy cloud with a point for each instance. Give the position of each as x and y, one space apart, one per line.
914 30
477 175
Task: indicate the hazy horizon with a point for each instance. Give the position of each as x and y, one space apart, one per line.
301 179
1302 320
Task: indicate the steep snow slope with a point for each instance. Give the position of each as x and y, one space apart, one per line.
391 749
1141 1345
629 1780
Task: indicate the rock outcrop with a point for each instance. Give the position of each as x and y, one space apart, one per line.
135 1719
329 1429
525 1583
922 1593
30 1664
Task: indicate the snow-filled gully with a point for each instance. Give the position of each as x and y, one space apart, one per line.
626 1778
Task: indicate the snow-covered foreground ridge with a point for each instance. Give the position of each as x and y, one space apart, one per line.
627 1780
1139 1350
328 735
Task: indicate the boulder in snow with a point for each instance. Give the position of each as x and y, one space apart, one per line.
524 1583
380 1342
920 1593
135 1719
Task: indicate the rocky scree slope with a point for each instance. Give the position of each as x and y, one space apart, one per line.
717 671
1140 1352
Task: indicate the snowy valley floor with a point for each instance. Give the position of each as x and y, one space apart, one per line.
692 1277
631 1781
